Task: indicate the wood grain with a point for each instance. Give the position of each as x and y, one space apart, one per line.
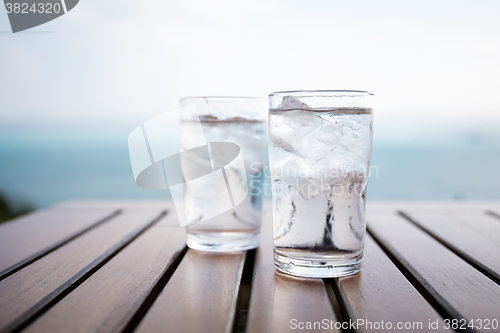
459 288
30 290
198 297
380 292
475 237
201 294
126 205
276 298
110 297
28 238
431 207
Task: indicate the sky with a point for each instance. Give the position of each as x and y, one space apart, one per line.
433 65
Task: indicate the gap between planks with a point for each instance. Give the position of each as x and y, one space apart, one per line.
492 275
445 310
31 259
50 300
340 305
241 306
153 294
237 319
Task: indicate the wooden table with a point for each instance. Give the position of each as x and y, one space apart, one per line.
116 266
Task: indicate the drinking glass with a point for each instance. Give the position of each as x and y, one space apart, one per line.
240 121
319 153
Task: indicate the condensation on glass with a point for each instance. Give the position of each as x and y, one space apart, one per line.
319 151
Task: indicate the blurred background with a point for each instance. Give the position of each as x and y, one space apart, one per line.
73 89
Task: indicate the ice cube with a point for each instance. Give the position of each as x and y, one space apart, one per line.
315 150
292 103
292 131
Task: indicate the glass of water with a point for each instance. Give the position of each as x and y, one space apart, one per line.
320 146
240 121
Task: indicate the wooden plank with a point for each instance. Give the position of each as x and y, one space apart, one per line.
458 288
30 237
123 205
126 205
33 289
199 297
381 293
277 299
108 299
473 237
173 221
431 207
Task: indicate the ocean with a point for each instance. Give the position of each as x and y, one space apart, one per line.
42 173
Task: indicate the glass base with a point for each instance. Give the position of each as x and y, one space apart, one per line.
318 268
223 241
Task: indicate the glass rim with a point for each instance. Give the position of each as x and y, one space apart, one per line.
317 93
221 97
